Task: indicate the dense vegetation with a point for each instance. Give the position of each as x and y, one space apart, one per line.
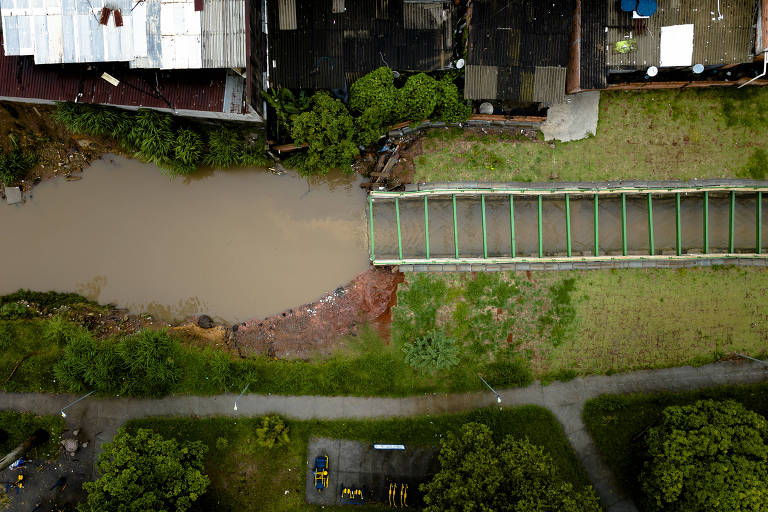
17 427
15 164
176 145
247 476
144 471
620 425
332 132
515 475
707 456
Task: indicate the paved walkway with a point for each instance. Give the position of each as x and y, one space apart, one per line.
102 417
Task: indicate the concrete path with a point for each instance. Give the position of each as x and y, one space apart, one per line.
102 417
573 120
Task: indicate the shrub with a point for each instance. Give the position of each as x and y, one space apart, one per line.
224 148
86 364
286 105
515 475
418 98
149 362
433 352
15 165
451 107
152 134
707 456
145 471
272 432
375 90
14 311
328 130
187 151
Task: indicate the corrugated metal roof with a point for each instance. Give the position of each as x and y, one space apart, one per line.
327 47
480 82
716 41
197 90
517 36
166 34
592 49
549 85
223 34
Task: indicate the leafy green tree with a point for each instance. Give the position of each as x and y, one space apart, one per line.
375 89
707 456
476 474
451 107
328 130
144 471
418 98
271 432
432 352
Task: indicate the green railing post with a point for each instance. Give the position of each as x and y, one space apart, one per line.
541 236
624 224
731 221
759 223
568 223
678 227
597 232
485 238
651 248
426 224
512 225
370 213
455 229
399 235
706 222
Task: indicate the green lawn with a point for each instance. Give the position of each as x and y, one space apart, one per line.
617 424
580 322
658 135
16 427
246 477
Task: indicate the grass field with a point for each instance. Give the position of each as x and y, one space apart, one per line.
581 322
617 423
657 135
245 477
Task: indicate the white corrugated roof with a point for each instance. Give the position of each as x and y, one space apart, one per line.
166 34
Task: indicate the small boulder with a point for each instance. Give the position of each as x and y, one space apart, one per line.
205 322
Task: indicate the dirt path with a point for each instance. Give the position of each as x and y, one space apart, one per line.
99 419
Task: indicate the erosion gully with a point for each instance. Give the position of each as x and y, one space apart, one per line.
234 244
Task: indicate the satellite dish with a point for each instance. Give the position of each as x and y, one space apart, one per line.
485 108
459 63
652 71
698 68
395 74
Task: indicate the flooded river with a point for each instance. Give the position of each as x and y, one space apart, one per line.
234 244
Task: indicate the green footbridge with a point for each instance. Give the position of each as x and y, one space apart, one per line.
503 224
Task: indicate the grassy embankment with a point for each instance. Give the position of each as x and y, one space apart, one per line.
511 327
617 424
581 322
247 477
656 135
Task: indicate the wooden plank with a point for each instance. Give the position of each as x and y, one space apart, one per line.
286 148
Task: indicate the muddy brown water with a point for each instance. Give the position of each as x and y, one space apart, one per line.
234 244
470 235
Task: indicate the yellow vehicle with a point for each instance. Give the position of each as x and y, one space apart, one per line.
398 495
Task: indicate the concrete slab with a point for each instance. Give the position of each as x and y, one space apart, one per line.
573 120
13 195
356 464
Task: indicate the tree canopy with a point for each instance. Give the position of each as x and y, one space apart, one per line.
144 471
477 474
708 456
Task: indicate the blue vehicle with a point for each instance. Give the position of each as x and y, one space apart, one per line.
321 472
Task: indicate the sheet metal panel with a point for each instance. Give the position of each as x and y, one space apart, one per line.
223 34
549 85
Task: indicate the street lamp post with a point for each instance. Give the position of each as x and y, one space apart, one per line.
241 395
63 414
498 397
